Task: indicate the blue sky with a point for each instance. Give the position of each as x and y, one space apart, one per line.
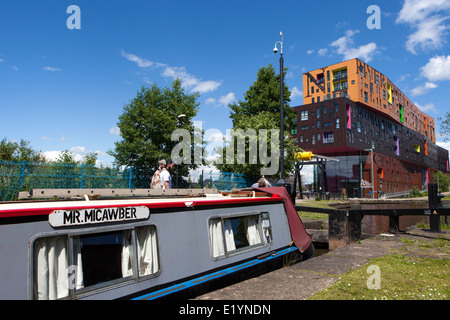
65 88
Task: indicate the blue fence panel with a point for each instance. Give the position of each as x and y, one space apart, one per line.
22 176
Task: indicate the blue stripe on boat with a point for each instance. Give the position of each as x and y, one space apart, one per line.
211 276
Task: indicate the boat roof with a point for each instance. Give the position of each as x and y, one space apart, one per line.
173 199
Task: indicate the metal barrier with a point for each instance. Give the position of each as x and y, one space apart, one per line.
17 176
345 225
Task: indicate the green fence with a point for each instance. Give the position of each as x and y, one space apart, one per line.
23 176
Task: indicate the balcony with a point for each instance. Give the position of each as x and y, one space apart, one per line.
340 86
339 76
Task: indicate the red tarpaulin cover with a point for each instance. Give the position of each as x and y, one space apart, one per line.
298 232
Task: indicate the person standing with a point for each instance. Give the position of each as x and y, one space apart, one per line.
156 182
166 178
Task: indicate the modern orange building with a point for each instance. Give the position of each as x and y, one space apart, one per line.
351 111
363 84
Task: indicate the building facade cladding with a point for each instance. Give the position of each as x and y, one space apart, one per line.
364 84
344 129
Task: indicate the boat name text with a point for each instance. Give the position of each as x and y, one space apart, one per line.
63 218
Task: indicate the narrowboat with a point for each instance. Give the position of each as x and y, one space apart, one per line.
91 245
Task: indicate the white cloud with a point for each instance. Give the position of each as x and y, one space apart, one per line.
295 92
189 81
206 86
229 98
345 46
426 108
322 52
141 62
437 68
423 89
52 69
45 138
223 100
428 18
51 155
78 153
114 131
310 51
443 144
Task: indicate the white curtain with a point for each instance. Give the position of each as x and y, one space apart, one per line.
229 235
147 250
253 236
53 275
216 238
127 254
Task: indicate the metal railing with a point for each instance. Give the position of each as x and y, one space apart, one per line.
16 176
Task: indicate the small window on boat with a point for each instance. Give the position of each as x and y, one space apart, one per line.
68 265
229 235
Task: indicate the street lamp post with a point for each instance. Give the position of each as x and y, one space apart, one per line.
281 182
176 166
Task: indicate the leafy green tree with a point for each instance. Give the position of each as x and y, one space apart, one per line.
13 151
445 126
147 123
66 157
261 110
90 158
443 180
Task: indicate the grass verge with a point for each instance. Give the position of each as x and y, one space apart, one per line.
419 271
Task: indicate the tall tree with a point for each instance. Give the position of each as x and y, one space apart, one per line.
147 123
11 150
261 110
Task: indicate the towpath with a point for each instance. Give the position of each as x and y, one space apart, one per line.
303 279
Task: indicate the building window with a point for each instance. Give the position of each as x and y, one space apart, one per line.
337 123
312 89
312 99
313 139
384 94
304 115
366 96
328 137
318 123
301 138
318 113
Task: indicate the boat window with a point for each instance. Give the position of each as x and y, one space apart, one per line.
68 265
229 235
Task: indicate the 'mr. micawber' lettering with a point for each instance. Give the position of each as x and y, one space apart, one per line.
98 215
